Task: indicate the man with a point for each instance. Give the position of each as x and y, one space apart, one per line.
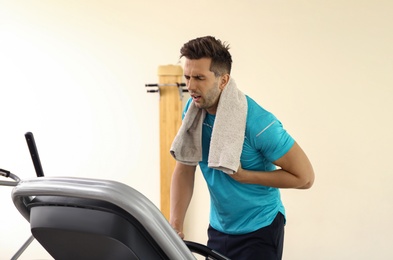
247 216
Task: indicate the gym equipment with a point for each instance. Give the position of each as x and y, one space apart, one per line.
81 218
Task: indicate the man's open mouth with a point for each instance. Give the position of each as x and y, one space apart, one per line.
196 97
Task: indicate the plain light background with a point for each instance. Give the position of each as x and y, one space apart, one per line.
73 73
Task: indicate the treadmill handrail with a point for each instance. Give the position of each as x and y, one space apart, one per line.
113 192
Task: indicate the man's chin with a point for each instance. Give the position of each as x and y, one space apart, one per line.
198 105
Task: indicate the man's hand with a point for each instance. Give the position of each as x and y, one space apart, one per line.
180 233
240 175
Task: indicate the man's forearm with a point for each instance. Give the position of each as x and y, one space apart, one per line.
278 179
182 187
295 171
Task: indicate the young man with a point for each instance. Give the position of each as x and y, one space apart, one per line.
247 216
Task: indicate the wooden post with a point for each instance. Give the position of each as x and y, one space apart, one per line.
170 121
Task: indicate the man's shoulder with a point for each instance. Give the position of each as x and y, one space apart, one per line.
256 113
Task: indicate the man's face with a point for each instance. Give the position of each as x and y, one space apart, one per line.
204 87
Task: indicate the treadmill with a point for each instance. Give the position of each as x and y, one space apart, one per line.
82 218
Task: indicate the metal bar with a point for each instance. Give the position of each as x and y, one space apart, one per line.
23 248
166 85
8 183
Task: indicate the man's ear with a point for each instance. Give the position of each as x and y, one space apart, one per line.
224 79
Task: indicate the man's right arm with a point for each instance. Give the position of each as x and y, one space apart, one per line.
182 188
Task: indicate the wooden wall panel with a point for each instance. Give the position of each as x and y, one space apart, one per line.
170 121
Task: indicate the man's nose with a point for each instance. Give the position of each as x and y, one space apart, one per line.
190 85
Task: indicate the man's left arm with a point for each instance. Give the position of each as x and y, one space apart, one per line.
295 171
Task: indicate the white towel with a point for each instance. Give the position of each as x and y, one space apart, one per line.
227 137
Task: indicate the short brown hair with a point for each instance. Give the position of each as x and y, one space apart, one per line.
209 47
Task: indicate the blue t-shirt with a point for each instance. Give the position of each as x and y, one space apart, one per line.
237 208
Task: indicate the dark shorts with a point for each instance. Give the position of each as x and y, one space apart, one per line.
266 243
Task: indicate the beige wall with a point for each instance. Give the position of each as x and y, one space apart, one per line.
73 73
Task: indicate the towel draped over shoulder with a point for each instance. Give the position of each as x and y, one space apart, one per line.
227 137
